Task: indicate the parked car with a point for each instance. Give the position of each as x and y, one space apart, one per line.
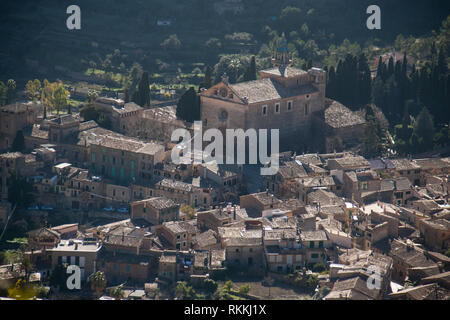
47 208
34 207
109 209
122 210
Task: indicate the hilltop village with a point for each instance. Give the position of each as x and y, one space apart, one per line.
329 225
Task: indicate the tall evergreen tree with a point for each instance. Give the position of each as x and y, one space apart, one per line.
207 81
142 94
424 129
188 107
250 72
364 81
19 142
390 70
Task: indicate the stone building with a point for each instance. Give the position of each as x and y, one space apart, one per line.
155 210
283 98
14 117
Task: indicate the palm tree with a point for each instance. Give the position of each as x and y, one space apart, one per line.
98 282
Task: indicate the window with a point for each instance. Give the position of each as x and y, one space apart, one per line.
306 109
289 105
264 110
311 244
93 156
314 255
277 108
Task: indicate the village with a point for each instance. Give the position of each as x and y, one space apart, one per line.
329 226
114 123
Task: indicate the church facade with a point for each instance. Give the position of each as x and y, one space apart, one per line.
284 98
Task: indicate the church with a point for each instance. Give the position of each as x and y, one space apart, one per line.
284 98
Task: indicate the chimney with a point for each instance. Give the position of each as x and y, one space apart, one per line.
123 236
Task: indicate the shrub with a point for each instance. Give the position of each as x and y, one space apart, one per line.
319 267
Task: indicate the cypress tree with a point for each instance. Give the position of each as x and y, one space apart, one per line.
424 129
442 62
390 70
380 68
19 142
207 81
144 91
188 107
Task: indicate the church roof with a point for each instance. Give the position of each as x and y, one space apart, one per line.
288 72
339 116
267 89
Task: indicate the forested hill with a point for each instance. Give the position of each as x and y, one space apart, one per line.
35 38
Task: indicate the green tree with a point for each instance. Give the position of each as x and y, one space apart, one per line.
142 97
33 89
244 289
290 18
210 286
250 72
117 292
318 267
3 94
184 292
58 277
424 130
188 107
98 282
11 93
20 191
171 43
207 81
61 97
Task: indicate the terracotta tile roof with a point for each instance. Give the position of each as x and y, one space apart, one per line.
267 89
